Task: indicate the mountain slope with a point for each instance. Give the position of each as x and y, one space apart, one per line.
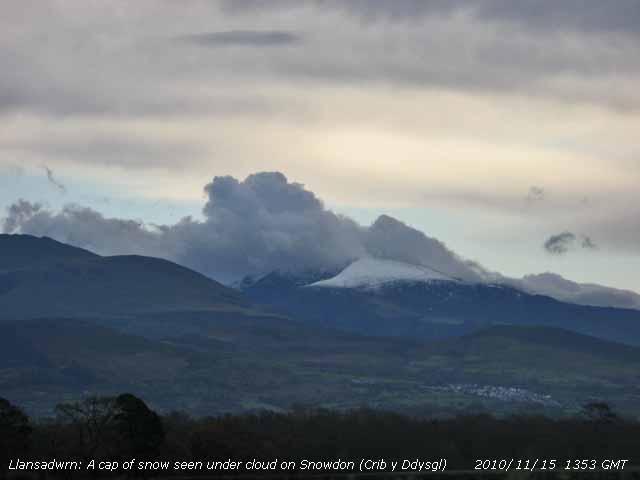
41 277
220 365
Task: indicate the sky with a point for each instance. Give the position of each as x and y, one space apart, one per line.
507 130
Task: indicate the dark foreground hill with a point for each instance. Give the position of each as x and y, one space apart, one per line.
215 364
41 277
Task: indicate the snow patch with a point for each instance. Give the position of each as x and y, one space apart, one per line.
371 272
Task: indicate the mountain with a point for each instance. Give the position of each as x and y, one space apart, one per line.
384 297
380 333
42 277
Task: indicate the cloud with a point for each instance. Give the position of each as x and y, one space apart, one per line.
488 45
535 194
118 149
243 38
84 227
560 243
582 15
250 227
568 51
265 223
391 239
563 242
53 181
587 243
582 293
19 213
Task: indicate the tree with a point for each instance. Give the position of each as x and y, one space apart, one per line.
91 420
600 412
140 431
15 431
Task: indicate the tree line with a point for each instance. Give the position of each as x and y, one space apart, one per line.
123 427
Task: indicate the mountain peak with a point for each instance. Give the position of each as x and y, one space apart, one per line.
19 252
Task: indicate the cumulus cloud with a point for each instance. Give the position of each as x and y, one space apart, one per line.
19 213
250 227
246 38
563 242
265 223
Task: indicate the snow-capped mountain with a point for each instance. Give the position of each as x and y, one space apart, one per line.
384 297
369 272
376 273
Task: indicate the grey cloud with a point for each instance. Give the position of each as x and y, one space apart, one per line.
535 48
560 243
389 238
19 213
251 227
36 83
51 96
587 243
584 15
247 38
563 242
83 227
535 194
456 50
558 287
366 10
53 181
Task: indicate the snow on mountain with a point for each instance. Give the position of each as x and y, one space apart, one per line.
369 272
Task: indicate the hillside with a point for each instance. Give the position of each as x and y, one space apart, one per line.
553 357
42 277
214 363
